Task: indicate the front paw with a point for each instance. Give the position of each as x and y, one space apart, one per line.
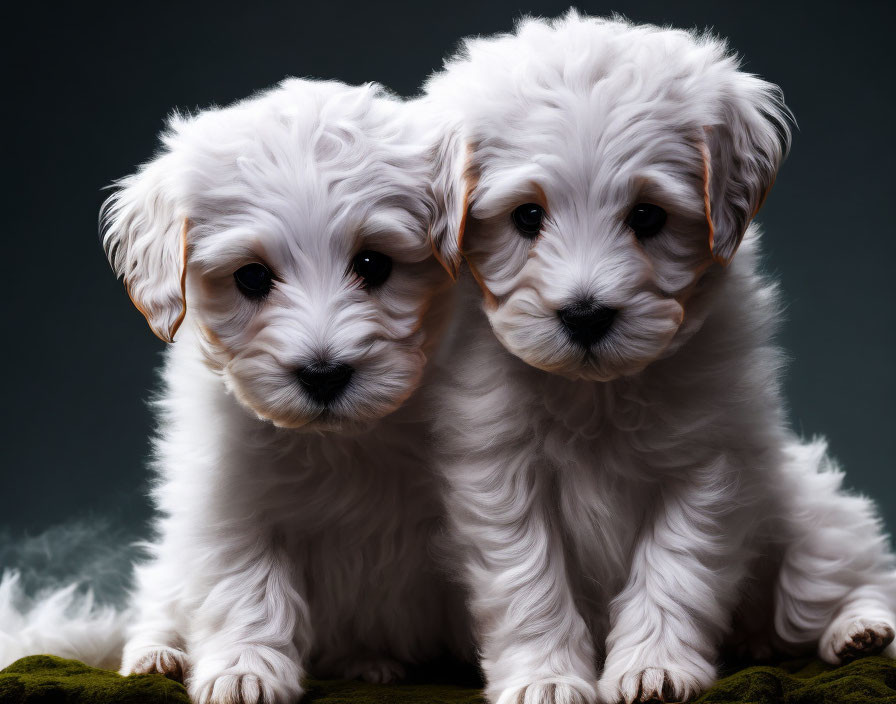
253 678
549 690
670 679
162 660
849 639
233 688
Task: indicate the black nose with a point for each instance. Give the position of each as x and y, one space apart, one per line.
586 322
324 381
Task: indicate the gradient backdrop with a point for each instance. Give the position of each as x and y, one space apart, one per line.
87 89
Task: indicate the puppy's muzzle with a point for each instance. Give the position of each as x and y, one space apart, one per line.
586 321
324 381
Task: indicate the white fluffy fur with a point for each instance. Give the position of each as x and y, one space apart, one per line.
620 516
291 535
64 622
624 515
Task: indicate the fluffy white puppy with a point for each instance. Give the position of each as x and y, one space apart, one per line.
285 240
624 483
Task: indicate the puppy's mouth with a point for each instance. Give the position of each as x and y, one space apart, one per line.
330 420
326 420
338 415
330 417
583 343
589 366
604 361
326 397
305 417
592 368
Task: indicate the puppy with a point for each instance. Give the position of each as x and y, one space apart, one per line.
623 479
284 240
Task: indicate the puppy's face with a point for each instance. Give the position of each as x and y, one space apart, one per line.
586 263
611 168
302 219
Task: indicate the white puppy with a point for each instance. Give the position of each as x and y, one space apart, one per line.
286 239
624 481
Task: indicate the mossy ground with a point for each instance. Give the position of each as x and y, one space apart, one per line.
46 679
50 680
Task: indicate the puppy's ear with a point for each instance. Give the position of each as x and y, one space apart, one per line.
145 238
741 155
451 188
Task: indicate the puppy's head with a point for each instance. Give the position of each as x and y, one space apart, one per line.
605 171
290 231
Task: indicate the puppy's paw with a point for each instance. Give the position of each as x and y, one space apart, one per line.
255 676
375 670
855 638
234 688
663 680
549 690
162 660
653 684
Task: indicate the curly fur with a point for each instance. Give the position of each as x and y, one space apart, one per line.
291 534
625 513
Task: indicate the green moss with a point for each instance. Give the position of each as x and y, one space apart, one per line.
46 679
866 681
343 692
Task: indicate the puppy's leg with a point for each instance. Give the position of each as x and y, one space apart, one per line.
154 644
535 646
667 622
837 584
863 626
251 632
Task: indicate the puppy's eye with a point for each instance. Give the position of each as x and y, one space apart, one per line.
646 220
254 280
373 267
527 219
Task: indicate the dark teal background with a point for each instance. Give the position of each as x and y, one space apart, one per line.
85 91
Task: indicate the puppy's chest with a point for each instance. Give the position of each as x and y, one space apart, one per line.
370 539
603 495
625 428
359 488
608 458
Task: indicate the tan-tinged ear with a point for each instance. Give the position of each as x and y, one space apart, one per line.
741 156
451 187
159 313
145 239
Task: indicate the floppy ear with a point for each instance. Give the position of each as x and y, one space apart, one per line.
451 189
741 156
145 238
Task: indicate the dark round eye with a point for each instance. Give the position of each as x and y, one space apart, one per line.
254 280
373 267
527 219
646 220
